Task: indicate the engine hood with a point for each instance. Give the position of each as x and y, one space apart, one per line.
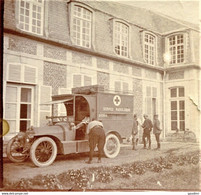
58 130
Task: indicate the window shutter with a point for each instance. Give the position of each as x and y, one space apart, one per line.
29 74
148 91
148 102
77 80
154 92
117 86
125 87
14 73
45 110
87 80
45 96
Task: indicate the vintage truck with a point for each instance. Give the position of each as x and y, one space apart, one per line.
42 144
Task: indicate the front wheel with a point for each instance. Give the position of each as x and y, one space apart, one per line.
14 151
112 146
43 151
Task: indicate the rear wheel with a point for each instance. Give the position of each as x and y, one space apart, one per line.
112 146
43 151
14 151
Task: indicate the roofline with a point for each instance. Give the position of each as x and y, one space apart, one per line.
157 13
111 15
177 21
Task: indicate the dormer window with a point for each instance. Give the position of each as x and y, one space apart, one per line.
31 16
121 38
81 25
149 48
176 48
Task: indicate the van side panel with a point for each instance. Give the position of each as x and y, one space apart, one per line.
116 112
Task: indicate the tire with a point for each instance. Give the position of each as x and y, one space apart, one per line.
43 151
112 146
14 151
190 136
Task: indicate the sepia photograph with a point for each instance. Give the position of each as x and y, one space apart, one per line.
100 96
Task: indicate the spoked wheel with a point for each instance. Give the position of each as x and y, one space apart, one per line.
14 151
112 146
43 151
189 136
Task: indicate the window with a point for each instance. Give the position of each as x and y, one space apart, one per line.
120 86
19 107
176 48
81 80
150 48
121 38
81 26
31 16
177 106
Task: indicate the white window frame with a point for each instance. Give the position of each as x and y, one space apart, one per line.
31 20
22 73
18 102
178 99
115 21
91 30
175 45
148 59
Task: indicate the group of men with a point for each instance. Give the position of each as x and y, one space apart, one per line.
147 128
96 133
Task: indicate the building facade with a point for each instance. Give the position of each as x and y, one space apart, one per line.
53 46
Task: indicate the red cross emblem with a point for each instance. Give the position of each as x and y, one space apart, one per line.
116 100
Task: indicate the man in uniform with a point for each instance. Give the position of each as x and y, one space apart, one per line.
157 130
96 137
147 127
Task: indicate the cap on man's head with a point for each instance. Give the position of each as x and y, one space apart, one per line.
155 114
145 115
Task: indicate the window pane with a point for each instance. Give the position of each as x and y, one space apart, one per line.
181 92
174 115
173 125
173 92
173 105
24 125
25 111
181 115
182 125
181 105
25 95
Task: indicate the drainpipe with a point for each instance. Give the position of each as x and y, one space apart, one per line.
166 59
164 110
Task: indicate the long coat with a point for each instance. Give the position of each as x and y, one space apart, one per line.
156 127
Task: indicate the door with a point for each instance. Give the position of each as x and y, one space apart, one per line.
19 105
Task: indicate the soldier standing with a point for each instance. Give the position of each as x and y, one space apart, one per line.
157 130
147 127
